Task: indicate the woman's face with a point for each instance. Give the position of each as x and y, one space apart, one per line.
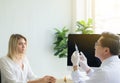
21 46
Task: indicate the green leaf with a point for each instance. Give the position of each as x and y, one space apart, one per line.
60 42
85 27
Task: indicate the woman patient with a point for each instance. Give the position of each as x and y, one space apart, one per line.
15 67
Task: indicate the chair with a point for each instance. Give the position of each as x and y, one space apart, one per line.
0 76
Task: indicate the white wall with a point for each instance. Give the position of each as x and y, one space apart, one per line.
36 20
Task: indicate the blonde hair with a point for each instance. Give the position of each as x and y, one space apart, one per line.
12 46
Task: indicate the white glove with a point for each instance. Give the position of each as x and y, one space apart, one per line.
75 58
83 62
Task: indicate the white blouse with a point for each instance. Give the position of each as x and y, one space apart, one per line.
11 72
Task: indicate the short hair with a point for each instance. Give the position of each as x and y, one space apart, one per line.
12 46
112 41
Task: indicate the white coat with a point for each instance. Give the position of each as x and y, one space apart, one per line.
109 72
12 73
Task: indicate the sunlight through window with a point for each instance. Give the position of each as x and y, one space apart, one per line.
107 16
105 13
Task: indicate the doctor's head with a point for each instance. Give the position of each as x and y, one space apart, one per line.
17 46
107 45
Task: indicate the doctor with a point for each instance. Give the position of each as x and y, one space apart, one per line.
107 49
15 67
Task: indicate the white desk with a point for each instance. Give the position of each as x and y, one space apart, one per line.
62 81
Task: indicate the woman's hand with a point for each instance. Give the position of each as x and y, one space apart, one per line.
48 79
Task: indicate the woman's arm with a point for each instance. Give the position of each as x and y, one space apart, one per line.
45 79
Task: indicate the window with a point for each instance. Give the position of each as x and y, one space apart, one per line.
105 13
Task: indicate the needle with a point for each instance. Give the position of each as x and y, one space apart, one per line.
76 48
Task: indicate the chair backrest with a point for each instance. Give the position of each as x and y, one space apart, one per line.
0 77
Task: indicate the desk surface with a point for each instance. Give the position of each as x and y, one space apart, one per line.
62 81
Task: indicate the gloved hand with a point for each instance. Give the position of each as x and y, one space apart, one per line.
83 62
75 58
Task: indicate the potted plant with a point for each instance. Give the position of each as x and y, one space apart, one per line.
60 43
61 36
85 27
